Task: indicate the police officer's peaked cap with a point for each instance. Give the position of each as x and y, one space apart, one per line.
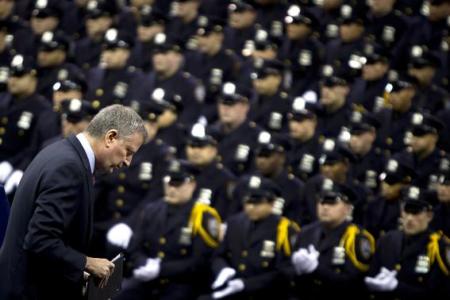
334 152
259 188
149 15
53 41
76 110
47 8
424 123
115 38
21 65
332 191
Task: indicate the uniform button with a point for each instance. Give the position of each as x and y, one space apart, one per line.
117 215
161 254
119 202
265 264
337 270
183 251
164 281
2 130
389 141
242 267
21 133
99 92
244 253
162 240
397 267
420 279
5 120
95 104
317 282
122 175
120 189
1 141
145 186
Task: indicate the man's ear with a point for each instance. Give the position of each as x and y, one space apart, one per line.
110 137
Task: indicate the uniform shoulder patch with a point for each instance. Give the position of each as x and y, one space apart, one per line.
447 254
365 248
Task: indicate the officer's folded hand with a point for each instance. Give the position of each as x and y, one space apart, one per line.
119 235
13 181
233 286
385 281
149 271
224 275
5 170
305 261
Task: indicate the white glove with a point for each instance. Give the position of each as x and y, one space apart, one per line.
385 281
224 275
13 181
119 235
234 286
305 261
5 170
149 271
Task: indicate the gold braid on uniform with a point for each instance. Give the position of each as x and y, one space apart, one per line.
283 234
196 221
433 252
348 242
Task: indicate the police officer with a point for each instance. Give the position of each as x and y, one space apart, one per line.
383 213
113 81
214 181
212 63
304 138
369 158
423 65
236 135
100 16
172 241
167 58
396 120
424 154
441 219
413 262
333 254
335 163
336 108
21 108
301 50
368 90
346 51
257 243
272 103
151 21
53 51
45 16
241 25
75 116
184 24
270 162
73 85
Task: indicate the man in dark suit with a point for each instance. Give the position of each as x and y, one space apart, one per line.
43 255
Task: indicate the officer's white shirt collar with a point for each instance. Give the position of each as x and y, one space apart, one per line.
88 149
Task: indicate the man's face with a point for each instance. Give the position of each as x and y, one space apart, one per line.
330 95
17 85
243 19
41 25
334 171
266 85
380 7
391 191
334 213
350 32
361 143
297 31
147 33
51 58
421 144
267 164
96 27
69 128
117 152
206 43
258 211
401 100
443 193
415 223
6 7
302 130
60 96
201 156
179 193
374 71
114 58
232 114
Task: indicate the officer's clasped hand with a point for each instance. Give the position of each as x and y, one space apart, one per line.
234 286
224 275
305 261
385 281
149 271
119 235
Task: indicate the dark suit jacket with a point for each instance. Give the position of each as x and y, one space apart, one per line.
49 227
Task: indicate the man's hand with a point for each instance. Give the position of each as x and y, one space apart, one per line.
305 261
99 267
5 170
386 280
224 275
13 181
234 286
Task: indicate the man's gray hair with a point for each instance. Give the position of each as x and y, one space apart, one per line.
121 118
